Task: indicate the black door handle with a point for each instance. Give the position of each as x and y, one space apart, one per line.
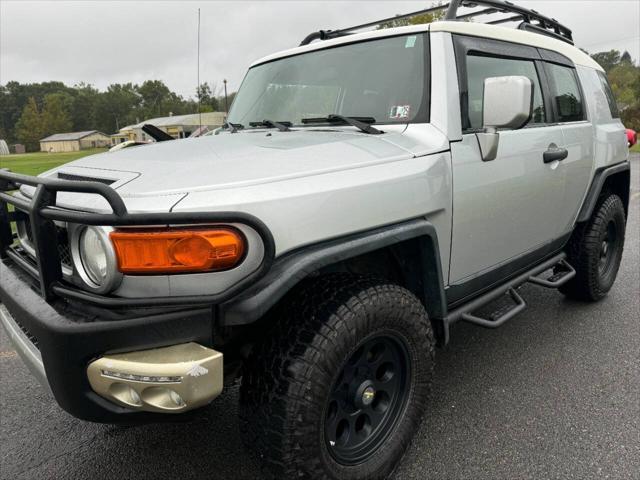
554 153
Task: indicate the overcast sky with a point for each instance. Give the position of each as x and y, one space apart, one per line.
103 42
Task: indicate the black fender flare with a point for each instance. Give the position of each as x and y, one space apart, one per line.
599 179
296 265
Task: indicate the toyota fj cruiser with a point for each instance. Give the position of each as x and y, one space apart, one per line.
368 191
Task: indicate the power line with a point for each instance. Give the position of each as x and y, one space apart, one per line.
610 42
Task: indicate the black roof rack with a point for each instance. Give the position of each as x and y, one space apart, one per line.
530 19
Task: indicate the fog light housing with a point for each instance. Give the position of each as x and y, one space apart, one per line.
168 380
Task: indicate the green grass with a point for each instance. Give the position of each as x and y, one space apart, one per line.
35 163
635 148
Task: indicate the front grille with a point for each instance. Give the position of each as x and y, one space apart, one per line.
64 250
63 247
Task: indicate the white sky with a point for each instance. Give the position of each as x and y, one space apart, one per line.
103 42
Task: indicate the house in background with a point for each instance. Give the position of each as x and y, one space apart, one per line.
74 141
178 126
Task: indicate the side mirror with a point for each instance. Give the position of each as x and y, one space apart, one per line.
507 103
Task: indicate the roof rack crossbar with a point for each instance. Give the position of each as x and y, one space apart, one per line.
514 18
544 25
328 34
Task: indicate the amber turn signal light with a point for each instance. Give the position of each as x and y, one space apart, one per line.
172 250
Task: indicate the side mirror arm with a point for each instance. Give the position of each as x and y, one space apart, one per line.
488 142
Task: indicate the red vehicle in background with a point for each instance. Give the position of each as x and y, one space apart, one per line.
632 137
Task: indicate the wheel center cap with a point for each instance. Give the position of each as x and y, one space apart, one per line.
368 395
365 394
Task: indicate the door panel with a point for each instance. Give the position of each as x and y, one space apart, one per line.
505 207
575 169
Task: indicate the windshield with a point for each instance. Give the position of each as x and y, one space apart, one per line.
383 79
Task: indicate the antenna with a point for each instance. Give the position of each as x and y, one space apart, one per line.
198 89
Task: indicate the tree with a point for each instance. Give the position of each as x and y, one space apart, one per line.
55 116
207 95
117 107
607 60
83 109
626 58
415 20
29 127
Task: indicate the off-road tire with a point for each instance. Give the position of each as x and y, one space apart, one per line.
289 377
585 249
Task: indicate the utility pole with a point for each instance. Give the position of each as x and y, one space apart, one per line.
198 61
226 100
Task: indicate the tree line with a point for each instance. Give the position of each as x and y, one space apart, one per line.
30 112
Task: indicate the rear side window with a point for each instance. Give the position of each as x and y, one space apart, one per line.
565 93
613 106
481 67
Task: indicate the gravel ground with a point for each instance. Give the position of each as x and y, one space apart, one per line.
553 394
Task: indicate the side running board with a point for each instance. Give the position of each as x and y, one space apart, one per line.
562 273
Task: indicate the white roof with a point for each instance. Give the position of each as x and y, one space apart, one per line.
514 35
62 137
496 32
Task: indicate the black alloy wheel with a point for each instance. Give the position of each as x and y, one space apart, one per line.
367 399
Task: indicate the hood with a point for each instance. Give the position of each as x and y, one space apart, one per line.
169 170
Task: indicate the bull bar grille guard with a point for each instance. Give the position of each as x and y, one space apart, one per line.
41 213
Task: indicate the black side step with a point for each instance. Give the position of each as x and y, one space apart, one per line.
563 273
502 316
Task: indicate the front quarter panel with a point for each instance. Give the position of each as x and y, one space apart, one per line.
307 210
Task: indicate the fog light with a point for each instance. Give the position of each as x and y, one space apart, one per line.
175 398
167 379
141 378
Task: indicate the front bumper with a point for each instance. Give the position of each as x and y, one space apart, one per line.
58 345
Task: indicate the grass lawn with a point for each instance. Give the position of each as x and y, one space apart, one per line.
636 148
35 163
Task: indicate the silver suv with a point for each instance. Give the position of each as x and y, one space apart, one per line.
368 191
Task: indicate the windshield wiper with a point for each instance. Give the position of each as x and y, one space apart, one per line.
282 126
232 127
362 123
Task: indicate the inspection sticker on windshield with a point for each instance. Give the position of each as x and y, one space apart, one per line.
411 41
400 111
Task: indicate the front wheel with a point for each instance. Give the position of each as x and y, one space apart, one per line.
595 251
338 388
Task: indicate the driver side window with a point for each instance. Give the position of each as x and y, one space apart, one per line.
480 67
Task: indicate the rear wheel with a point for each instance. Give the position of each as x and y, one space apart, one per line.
595 251
338 388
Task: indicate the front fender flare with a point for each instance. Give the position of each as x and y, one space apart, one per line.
294 266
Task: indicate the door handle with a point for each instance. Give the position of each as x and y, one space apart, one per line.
554 153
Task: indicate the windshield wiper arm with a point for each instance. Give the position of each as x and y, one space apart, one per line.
232 127
362 123
282 126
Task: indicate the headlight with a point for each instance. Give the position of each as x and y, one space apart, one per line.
94 259
93 255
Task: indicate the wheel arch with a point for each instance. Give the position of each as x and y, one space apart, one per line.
615 179
405 253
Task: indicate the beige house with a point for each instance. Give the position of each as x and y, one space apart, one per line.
74 141
178 126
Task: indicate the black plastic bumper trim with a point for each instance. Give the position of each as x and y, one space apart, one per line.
68 346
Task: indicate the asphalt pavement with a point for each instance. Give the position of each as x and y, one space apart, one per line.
555 393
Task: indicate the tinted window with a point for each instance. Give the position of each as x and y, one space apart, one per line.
480 67
566 94
385 79
613 106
